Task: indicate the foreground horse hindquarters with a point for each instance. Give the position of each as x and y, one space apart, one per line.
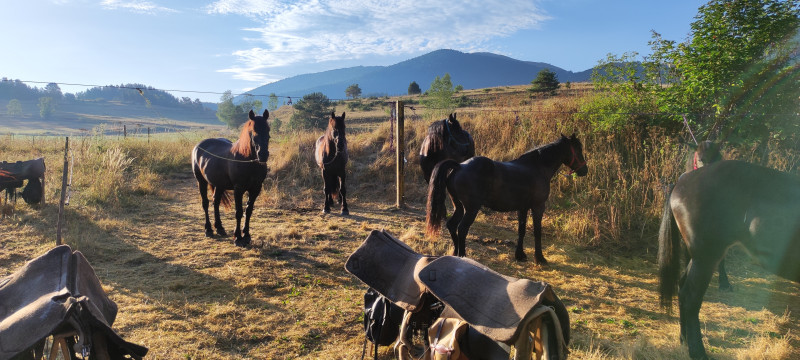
241 166
518 185
713 208
330 152
445 140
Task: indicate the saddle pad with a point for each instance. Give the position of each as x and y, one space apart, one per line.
388 265
37 299
492 303
25 169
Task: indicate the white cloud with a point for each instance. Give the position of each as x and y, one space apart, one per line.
146 7
324 30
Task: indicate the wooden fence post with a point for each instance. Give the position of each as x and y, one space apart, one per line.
401 154
61 219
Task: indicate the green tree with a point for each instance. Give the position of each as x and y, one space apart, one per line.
235 115
14 108
739 65
53 91
272 103
312 111
439 97
353 91
413 88
546 81
46 107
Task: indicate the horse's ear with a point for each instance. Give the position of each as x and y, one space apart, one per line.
333 114
562 135
251 115
451 117
266 114
342 115
574 135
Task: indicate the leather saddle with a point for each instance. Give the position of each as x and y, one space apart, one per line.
59 294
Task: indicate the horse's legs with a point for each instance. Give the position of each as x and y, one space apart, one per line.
326 208
251 201
452 224
724 283
463 229
218 194
203 185
238 194
522 223
343 193
690 298
538 256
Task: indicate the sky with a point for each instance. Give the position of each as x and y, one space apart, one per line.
206 47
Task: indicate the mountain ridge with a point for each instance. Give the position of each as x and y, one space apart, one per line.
470 70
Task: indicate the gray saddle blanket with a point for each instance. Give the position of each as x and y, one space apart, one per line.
23 170
492 303
57 292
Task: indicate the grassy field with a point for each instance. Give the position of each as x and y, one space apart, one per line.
135 213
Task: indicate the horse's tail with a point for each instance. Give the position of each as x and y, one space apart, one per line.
436 194
225 200
668 254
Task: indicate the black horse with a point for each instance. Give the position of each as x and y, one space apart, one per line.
10 184
445 140
713 208
519 185
331 155
708 152
241 166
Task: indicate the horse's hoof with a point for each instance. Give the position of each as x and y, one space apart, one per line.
345 212
222 232
242 242
539 260
326 211
209 234
520 256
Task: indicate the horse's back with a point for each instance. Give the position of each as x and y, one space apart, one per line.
734 201
210 160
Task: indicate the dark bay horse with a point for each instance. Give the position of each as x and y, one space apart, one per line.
705 153
241 166
445 140
518 185
713 208
330 153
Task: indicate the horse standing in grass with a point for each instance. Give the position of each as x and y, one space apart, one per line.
713 208
221 165
518 185
330 153
445 140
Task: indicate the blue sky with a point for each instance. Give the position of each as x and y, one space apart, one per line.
236 45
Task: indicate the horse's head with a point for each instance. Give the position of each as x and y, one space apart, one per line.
259 135
453 124
575 160
707 152
337 130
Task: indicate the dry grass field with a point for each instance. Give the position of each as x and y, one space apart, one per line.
135 213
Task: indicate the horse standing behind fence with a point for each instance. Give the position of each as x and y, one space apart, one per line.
445 140
221 165
713 208
518 185
330 153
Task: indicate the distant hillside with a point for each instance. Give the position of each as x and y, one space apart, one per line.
473 71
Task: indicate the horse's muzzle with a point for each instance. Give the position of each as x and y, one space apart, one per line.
582 171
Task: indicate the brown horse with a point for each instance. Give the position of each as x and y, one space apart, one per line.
519 185
713 208
331 155
241 166
445 140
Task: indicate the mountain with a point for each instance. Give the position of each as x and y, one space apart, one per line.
471 70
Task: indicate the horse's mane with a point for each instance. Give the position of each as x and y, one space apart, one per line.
438 135
543 152
242 146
